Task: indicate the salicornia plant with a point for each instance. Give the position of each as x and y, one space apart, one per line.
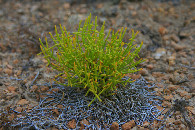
92 60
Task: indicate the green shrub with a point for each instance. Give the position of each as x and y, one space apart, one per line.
92 60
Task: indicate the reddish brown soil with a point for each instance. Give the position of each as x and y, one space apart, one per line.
167 31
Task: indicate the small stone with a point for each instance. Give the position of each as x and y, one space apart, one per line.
83 10
99 6
128 125
188 96
53 128
183 127
171 10
143 72
173 56
9 67
170 69
192 6
40 96
60 106
18 72
157 74
164 112
66 6
191 77
98 126
177 113
191 109
159 52
162 30
8 71
114 126
177 47
168 97
11 117
178 116
175 38
135 76
44 88
177 122
34 88
72 124
146 124
134 13
183 93
44 61
50 92
56 111
193 85
171 63
150 78
183 54
171 120
166 37
167 91
160 108
83 123
55 89
49 99
19 109
186 32
166 104
131 7
20 115
171 60
134 128
1 70
23 102
150 66
173 87
11 88
142 128
185 61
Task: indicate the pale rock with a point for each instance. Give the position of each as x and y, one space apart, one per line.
159 52
175 38
171 60
177 47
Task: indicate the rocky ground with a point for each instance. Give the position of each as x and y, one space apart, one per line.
167 30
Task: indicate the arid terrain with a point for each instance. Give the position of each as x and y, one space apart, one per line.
167 29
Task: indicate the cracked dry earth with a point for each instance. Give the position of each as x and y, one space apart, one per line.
167 30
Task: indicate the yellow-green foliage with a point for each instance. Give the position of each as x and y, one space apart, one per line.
91 59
